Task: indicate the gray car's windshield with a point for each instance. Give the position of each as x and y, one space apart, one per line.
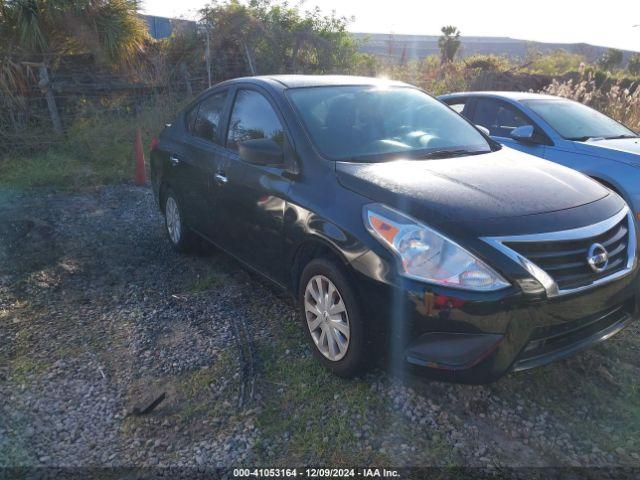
365 123
575 121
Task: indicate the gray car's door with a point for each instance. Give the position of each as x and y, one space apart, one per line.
501 118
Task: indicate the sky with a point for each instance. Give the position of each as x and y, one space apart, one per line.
608 23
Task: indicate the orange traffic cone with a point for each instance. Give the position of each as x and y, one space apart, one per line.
141 174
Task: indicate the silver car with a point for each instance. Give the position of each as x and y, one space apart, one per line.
562 131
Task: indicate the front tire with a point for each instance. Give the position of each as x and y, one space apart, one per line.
331 318
181 238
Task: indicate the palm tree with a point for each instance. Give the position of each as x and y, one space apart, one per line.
39 32
449 43
42 29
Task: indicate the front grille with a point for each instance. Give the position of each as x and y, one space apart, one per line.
565 261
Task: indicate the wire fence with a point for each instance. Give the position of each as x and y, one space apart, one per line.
44 113
59 100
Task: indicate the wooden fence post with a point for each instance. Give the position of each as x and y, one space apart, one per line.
187 79
208 57
45 87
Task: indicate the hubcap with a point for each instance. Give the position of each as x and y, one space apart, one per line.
173 220
327 318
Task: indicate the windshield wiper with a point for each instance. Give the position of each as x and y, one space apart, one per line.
388 157
592 137
585 138
618 137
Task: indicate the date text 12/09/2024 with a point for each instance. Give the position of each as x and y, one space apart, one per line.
316 472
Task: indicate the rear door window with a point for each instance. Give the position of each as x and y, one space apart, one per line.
191 117
458 105
208 120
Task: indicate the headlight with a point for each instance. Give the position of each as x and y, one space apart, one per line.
427 255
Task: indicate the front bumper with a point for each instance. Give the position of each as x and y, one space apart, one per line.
477 338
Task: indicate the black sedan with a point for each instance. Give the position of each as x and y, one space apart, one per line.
402 230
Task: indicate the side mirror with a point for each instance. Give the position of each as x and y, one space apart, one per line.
523 133
261 151
484 130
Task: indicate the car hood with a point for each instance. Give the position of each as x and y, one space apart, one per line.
501 184
623 149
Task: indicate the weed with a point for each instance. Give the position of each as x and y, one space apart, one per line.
206 282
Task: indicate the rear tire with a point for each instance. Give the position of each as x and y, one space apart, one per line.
332 319
181 238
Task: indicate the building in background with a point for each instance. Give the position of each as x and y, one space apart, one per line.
163 27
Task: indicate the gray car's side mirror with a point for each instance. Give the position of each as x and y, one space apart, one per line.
484 130
523 133
261 151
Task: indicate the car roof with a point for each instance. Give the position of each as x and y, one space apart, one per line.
516 96
296 81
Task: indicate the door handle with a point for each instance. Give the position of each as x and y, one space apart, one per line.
174 160
221 178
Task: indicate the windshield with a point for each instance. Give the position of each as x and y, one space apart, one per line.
364 123
575 121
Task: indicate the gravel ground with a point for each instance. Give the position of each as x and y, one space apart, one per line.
98 317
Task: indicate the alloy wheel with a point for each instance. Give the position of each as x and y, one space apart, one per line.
327 318
174 224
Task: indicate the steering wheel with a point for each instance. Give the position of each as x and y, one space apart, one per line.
403 128
416 111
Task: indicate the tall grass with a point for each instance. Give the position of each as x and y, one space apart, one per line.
619 102
97 149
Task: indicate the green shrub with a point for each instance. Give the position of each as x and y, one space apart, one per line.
555 63
431 75
495 63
